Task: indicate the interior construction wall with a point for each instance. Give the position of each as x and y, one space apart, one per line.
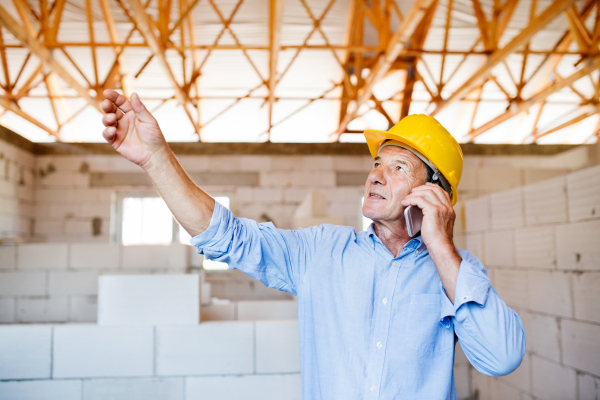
71 191
541 246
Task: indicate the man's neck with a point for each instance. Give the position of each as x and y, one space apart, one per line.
393 235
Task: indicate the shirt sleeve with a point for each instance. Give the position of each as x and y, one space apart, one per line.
490 333
276 257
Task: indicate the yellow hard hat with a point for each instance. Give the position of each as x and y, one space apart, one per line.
425 135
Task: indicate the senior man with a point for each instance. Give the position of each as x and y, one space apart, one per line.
379 312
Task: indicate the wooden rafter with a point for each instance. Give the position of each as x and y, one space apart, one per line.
144 25
397 44
11 106
275 22
586 113
42 52
551 12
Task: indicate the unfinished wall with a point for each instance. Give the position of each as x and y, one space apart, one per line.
541 246
16 191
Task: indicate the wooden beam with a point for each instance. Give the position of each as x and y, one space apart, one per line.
41 52
409 84
397 45
516 108
11 106
120 65
551 12
482 24
144 25
588 112
275 22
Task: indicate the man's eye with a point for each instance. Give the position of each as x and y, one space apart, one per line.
377 165
398 168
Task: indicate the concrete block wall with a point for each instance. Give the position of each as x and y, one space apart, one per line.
17 186
212 360
58 282
68 199
541 246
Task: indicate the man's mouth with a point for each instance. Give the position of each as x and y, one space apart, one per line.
376 196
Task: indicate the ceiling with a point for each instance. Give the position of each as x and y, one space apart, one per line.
491 71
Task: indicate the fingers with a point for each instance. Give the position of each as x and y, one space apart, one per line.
110 134
428 194
140 110
117 99
110 119
441 194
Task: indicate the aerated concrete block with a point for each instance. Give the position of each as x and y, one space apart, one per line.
133 389
549 292
499 248
212 348
22 283
577 245
507 209
74 283
581 346
543 335
267 310
583 188
42 309
42 256
536 248
83 308
41 390
149 300
94 256
8 257
277 347
586 296
546 202
513 287
552 381
7 310
477 214
90 351
245 387
25 352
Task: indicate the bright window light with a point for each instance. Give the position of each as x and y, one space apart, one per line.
365 221
146 220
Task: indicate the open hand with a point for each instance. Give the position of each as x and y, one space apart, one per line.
130 128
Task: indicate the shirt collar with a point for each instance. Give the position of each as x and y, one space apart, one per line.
415 243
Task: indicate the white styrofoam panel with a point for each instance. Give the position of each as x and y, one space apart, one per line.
546 201
42 309
149 300
94 256
543 334
25 352
474 244
549 292
41 390
535 247
277 347
134 389
83 308
477 214
8 257
73 282
90 351
499 248
586 296
218 312
267 310
577 246
581 346
583 188
552 381
7 310
512 286
244 387
42 255
22 283
507 209
212 348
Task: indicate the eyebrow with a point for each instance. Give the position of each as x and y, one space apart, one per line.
398 161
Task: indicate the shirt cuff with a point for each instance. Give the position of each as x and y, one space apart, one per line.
215 240
472 285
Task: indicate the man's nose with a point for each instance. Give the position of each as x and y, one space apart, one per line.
377 176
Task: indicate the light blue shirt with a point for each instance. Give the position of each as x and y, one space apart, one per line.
372 326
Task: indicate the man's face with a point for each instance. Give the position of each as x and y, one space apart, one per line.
396 171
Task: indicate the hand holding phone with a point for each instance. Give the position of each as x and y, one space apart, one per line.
414 217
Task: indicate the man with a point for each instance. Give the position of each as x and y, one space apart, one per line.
379 312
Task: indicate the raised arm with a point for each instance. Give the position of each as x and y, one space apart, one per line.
133 132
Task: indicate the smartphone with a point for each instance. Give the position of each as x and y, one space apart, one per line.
414 218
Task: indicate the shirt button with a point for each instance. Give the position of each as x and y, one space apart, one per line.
372 388
373 246
384 301
394 264
379 345
417 252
